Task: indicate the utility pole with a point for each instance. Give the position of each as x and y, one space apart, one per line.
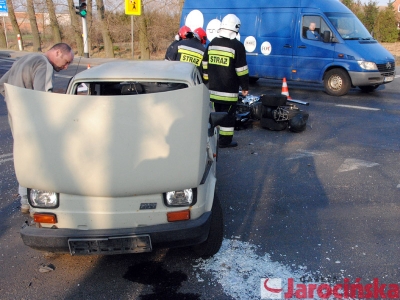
81 10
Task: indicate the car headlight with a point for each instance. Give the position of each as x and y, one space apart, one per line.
184 197
367 65
43 199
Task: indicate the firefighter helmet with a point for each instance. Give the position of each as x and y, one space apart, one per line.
201 35
230 22
184 32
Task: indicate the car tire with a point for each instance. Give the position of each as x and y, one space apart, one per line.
337 82
214 240
368 88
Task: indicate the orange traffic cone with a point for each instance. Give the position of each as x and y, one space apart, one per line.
88 66
285 90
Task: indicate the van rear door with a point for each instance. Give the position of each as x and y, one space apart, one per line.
312 55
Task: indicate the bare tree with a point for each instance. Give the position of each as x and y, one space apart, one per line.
89 22
143 37
105 32
34 28
76 26
13 20
53 22
3 40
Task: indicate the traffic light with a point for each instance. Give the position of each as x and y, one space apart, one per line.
81 9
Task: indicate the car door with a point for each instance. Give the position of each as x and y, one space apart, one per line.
311 56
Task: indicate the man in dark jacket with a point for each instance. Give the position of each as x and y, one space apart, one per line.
188 49
225 69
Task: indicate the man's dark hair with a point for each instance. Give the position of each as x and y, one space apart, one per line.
62 46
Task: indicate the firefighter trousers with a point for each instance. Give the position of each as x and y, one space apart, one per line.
227 126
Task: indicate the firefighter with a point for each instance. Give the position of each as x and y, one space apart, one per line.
188 49
183 32
225 69
201 35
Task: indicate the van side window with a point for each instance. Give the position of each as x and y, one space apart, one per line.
313 28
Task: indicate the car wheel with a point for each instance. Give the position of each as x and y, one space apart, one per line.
368 88
214 240
337 82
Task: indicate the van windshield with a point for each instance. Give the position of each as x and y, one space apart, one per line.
349 26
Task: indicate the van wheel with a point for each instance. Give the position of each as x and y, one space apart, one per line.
337 82
213 243
368 88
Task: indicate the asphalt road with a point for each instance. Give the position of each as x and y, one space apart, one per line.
325 200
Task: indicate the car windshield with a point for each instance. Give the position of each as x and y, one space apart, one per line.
349 26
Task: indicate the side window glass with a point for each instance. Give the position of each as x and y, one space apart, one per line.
313 28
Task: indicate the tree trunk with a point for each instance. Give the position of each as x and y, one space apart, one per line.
143 37
3 40
89 22
181 2
14 23
53 22
34 28
76 27
105 32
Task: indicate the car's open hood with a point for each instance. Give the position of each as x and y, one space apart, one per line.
111 146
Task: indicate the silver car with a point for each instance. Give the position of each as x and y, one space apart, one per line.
123 162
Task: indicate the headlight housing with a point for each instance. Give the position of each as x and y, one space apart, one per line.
186 197
43 199
367 65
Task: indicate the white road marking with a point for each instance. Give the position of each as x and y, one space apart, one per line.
6 155
358 107
304 153
354 164
3 158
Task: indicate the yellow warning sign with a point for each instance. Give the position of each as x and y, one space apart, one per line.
133 7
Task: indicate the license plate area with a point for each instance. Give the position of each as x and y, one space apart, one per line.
110 245
388 78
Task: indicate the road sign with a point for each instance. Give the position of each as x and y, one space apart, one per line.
3 8
132 7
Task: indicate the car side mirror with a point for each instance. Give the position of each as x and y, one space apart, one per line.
216 118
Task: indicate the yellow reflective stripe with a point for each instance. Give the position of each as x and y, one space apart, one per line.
226 131
205 76
222 49
242 73
223 98
192 53
221 53
205 65
217 93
